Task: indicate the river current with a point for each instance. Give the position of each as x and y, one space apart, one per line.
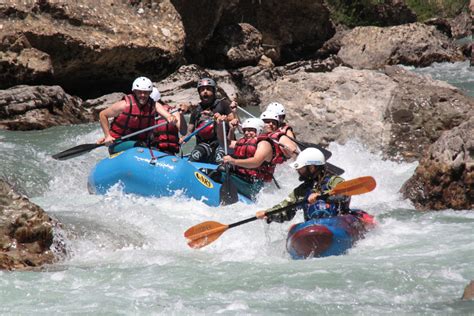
127 254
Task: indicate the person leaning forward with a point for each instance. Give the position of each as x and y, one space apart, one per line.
312 193
252 159
207 147
136 111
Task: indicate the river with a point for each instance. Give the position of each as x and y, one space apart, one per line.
127 254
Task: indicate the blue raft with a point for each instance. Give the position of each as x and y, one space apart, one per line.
138 173
329 236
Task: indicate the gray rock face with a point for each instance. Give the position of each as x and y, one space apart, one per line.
410 44
396 112
27 237
87 39
445 176
39 107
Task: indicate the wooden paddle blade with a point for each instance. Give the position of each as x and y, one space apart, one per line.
203 234
355 186
76 151
228 193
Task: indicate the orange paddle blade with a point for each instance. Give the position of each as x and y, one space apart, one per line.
205 233
355 186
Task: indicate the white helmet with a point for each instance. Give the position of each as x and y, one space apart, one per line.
142 84
269 115
155 94
309 156
254 122
276 107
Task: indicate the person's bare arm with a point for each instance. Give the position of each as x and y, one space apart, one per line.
262 154
290 149
112 111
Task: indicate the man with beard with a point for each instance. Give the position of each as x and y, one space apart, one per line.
312 193
207 147
133 113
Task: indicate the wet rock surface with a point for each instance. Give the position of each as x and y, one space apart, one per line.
444 178
27 233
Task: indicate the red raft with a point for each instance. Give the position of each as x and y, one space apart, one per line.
329 236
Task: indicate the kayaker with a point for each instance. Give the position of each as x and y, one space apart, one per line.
272 124
254 158
207 147
311 167
166 137
279 109
136 111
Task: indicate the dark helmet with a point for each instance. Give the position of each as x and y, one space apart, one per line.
206 82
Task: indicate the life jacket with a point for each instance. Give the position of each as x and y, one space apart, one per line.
246 148
285 128
166 137
279 157
322 207
133 119
207 134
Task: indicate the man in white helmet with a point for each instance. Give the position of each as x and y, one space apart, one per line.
279 109
311 167
253 158
135 112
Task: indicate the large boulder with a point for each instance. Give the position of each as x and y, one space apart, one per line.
290 30
76 42
445 176
397 112
29 238
39 107
414 44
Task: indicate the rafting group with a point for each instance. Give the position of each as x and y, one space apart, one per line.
145 137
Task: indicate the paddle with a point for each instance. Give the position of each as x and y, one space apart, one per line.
205 233
228 192
84 148
188 137
327 154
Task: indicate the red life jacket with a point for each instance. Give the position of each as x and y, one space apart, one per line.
246 148
285 128
166 137
133 119
279 155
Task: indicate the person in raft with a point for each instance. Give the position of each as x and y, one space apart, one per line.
135 112
207 147
272 124
317 182
165 137
254 158
279 109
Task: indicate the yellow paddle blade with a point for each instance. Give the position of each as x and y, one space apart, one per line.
205 233
355 186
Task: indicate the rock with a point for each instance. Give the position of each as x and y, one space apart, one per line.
411 44
39 107
396 112
468 292
235 45
290 30
445 176
101 41
101 103
28 236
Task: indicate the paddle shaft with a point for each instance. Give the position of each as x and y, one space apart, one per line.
251 219
187 138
